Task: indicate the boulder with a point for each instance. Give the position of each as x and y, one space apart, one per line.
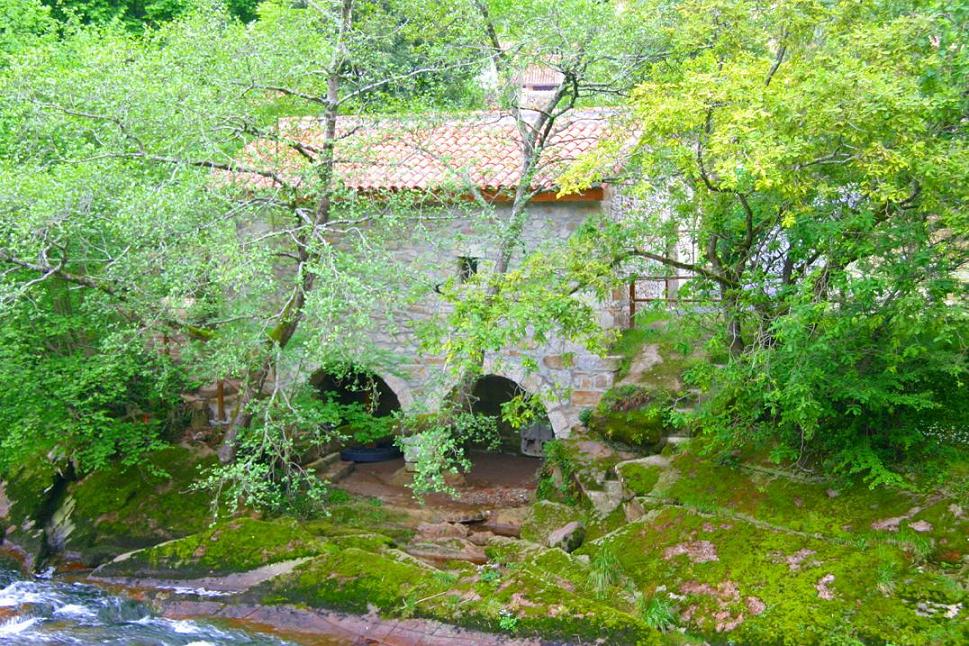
337 471
568 537
633 510
507 522
442 550
605 502
442 530
544 517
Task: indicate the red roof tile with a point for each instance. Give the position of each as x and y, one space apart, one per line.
483 149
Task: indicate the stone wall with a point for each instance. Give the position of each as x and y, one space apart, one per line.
569 377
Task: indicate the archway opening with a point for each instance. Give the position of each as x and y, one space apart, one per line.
489 394
357 386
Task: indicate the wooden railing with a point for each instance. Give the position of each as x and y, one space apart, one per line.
667 297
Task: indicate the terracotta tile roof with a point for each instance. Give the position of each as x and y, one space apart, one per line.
540 75
482 149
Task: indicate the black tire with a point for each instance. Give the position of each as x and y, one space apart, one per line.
366 454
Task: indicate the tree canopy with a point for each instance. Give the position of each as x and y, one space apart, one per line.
805 161
815 154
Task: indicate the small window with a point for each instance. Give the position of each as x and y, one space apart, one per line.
467 267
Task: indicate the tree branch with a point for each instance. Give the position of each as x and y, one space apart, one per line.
672 262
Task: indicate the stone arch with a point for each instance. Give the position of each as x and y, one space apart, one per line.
359 386
560 414
400 387
489 392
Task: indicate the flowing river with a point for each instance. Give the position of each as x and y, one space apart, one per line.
48 611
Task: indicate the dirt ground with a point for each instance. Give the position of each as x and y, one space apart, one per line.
495 480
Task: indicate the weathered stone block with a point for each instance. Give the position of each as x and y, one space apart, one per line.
568 537
585 397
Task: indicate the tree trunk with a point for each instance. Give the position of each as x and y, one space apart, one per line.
731 311
292 314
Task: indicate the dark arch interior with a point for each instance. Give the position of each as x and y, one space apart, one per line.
489 393
358 386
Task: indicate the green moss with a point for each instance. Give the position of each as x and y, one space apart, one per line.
738 561
546 517
237 545
675 345
546 605
504 551
568 570
597 526
633 415
541 601
949 523
639 479
371 542
643 427
31 488
363 515
353 580
27 487
123 508
835 510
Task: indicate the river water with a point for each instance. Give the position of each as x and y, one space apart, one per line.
47 611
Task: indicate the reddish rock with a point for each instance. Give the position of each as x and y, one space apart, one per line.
696 551
506 522
481 538
755 606
442 530
447 549
794 561
921 526
824 592
568 537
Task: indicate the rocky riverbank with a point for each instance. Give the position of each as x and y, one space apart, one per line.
668 548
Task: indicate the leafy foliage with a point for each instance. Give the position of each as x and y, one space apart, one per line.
120 194
438 445
657 612
556 479
604 571
23 24
814 157
75 377
136 14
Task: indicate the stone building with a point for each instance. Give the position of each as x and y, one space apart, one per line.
474 160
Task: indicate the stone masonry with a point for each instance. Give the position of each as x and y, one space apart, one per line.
569 377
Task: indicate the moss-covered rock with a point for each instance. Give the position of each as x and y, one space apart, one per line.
28 497
525 599
633 415
120 509
352 579
639 477
927 524
545 518
765 586
359 515
27 489
237 545
657 351
643 427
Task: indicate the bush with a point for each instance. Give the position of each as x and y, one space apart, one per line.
556 481
81 382
871 388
